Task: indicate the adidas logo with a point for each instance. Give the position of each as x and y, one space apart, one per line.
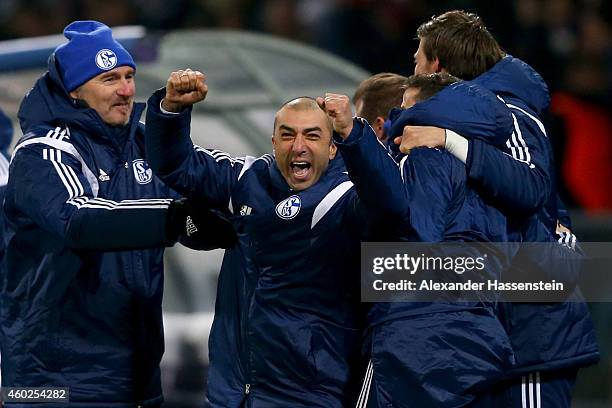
103 176
190 227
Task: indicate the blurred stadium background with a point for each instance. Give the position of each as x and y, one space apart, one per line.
305 47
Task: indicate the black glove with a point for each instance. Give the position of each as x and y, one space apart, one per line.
198 227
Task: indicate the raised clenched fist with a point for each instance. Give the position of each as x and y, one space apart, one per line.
184 88
338 108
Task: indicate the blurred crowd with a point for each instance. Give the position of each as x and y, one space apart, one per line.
568 41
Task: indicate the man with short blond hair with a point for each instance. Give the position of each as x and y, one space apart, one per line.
376 96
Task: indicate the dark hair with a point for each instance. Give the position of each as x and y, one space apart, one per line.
430 84
379 94
461 43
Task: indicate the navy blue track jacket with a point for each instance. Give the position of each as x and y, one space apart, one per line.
517 185
287 328
438 206
544 336
524 91
72 315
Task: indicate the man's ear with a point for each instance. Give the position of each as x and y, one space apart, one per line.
379 127
436 66
74 94
332 151
273 145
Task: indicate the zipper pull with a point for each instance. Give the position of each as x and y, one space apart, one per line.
247 389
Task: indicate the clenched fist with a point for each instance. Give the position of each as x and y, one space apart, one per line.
420 136
184 88
338 108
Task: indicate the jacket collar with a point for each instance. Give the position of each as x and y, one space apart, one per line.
514 78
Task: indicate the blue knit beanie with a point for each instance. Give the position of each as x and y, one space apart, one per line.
90 51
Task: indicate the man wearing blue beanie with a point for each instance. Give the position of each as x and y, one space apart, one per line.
98 70
90 52
82 277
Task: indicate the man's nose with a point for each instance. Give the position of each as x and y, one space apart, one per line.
126 88
299 144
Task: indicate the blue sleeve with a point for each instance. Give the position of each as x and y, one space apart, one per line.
433 182
531 169
417 196
194 172
469 110
508 160
514 186
48 187
375 174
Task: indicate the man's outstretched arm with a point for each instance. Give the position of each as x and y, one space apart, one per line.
511 184
194 172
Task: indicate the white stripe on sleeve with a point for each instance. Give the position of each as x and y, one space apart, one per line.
69 188
104 204
329 200
66 148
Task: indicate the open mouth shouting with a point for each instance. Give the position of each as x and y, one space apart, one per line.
300 170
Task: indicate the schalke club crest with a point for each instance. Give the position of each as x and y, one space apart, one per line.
106 59
142 171
289 207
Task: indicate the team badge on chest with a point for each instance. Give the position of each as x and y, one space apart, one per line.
289 207
142 172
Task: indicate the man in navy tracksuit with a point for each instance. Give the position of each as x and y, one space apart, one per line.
439 354
547 361
86 222
287 328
